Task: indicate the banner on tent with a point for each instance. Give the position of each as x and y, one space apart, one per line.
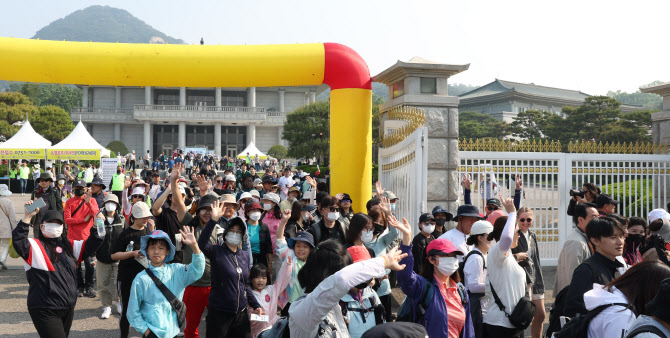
18 154
108 166
74 154
201 151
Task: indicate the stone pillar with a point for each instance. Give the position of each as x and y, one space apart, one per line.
117 97
217 139
117 131
182 96
147 95
147 137
251 97
217 97
251 134
312 96
280 132
181 139
84 97
282 107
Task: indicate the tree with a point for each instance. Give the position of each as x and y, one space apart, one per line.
46 94
529 124
474 125
278 151
306 131
118 147
588 120
53 123
646 100
49 121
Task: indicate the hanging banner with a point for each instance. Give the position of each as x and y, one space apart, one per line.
108 166
18 154
74 154
201 151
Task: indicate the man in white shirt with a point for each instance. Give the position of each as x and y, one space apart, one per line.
285 182
466 216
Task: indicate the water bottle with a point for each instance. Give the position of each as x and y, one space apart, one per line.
130 246
101 226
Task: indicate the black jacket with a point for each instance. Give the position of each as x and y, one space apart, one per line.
321 233
52 279
532 264
53 201
292 228
112 232
595 269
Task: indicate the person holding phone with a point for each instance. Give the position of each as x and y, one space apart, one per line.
51 261
51 199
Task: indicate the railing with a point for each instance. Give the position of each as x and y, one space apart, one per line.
78 110
236 109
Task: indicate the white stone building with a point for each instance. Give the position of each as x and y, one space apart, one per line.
224 120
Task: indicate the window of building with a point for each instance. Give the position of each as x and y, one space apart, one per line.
166 97
200 97
399 89
233 99
428 85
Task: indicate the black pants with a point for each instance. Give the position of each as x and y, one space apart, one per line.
493 331
118 194
52 323
476 313
387 302
132 164
124 295
85 279
222 324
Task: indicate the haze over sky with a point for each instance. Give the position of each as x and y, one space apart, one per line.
592 46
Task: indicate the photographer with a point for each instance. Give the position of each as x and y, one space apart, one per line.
589 193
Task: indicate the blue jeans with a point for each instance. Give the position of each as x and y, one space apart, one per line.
24 183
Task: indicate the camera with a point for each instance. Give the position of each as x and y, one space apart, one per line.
577 192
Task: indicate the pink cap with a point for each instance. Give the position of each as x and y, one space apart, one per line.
358 253
441 246
494 216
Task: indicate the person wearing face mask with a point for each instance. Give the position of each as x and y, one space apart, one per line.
51 261
97 191
448 312
442 216
637 230
422 239
106 268
259 235
51 198
245 197
393 200
171 212
272 218
293 195
329 227
346 212
63 190
474 271
301 219
230 293
80 212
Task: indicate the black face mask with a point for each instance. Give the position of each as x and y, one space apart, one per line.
439 222
635 239
378 229
78 192
118 171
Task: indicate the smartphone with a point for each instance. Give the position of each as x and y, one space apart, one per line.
38 203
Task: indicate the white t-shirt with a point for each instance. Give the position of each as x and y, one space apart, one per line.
285 183
458 239
509 281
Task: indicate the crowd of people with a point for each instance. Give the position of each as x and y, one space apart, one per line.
278 254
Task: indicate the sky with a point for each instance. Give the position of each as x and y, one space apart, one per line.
593 46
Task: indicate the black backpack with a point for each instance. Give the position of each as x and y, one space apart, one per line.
556 311
578 326
646 328
406 310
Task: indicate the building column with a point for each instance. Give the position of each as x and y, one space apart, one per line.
84 97
117 97
251 134
251 97
147 95
280 132
117 132
282 107
217 139
182 96
312 96
217 97
147 137
182 135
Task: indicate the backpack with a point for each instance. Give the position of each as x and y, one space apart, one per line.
461 266
644 329
556 311
280 328
377 309
578 326
406 310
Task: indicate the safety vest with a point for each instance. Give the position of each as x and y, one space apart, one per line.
118 181
80 174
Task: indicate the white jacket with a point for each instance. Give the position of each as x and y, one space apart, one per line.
615 320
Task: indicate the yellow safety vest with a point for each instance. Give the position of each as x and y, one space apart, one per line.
118 181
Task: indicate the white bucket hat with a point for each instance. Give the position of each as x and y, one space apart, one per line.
4 190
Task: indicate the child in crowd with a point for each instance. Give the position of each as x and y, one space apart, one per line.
267 295
361 307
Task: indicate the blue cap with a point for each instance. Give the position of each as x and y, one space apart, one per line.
302 236
157 234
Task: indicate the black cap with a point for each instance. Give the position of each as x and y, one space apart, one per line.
269 179
346 197
207 200
308 207
302 236
156 174
44 177
97 181
494 201
235 221
80 183
658 306
604 199
425 217
468 210
439 209
396 330
53 215
60 177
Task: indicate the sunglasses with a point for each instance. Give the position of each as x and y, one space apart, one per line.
523 220
346 201
219 181
430 223
137 196
334 209
492 208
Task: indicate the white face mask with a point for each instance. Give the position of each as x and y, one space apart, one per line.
305 217
333 216
110 206
297 181
428 228
233 239
255 216
61 182
291 199
447 265
366 236
392 206
52 230
267 206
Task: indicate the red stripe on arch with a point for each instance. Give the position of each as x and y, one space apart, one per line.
344 68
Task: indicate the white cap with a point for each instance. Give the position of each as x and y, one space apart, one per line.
244 195
303 174
656 214
481 227
230 178
138 191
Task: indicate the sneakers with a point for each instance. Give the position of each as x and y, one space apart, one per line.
119 307
80 292
90 293
106 312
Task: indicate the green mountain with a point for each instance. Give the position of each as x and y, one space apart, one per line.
103 24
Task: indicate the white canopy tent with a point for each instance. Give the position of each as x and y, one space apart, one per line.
253 151
79 138
26 138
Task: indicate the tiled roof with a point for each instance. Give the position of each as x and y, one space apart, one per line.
501 86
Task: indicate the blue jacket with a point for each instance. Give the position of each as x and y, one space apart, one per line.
149 309
436 319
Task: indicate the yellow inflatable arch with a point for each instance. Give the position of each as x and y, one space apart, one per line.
120 64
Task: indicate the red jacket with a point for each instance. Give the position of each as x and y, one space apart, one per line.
77 228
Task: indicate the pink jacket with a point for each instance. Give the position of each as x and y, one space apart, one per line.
269 298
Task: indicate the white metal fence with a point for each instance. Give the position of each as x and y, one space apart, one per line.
639 182
403 169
